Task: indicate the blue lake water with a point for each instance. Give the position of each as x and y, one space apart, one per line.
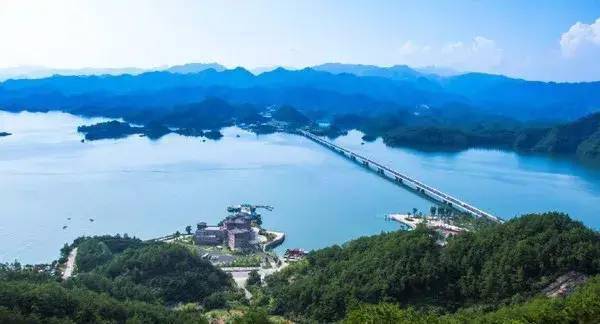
150 188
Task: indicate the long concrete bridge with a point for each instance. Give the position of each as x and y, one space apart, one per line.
404 180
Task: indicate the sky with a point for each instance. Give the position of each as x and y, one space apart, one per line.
555 40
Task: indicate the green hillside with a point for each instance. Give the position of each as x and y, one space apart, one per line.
494 266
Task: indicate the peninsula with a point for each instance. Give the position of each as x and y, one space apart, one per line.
237 240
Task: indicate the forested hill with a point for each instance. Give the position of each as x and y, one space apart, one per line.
311 90
498 265
493 275
120 279
434 129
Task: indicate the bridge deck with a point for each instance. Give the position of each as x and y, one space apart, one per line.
387 172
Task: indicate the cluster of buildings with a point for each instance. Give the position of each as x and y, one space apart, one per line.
235 231
293 255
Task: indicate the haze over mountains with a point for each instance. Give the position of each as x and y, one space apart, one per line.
322 91
38 72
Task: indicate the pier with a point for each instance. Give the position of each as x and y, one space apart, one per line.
404 180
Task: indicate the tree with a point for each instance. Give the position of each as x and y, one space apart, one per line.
386 313
253 316
216 300
188 229
441 211
92 253
432 210
258 220
253 278
177 234
415 211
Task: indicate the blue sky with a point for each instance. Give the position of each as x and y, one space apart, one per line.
518 38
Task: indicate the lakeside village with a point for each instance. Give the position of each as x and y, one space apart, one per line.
238 241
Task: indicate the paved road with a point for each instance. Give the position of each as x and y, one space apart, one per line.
240 274
70 264
240 278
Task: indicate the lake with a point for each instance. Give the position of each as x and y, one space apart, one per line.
49 179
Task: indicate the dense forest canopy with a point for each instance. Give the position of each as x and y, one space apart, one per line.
580 307
127 267
495 265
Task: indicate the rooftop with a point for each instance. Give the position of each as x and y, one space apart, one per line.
239 230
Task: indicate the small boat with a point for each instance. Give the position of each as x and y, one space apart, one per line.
91 219
68 218
65 227
238 135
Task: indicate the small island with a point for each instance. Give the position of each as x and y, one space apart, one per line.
116 129
204 119
111 129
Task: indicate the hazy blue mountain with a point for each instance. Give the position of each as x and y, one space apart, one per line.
263 69
278 83
438 70
314 92
195 67
526 99
120 84
396 72
38 72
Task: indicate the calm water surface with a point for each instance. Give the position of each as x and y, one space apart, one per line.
150 188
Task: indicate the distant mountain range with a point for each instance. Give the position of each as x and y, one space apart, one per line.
38 72
324 90
195 68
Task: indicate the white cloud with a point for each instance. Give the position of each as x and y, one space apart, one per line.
410 48
579 36
480 54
